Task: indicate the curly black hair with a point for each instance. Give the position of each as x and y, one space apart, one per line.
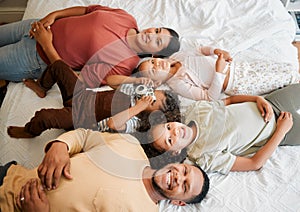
170 113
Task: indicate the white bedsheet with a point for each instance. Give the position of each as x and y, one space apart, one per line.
250 30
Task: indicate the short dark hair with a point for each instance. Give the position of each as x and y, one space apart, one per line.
204 190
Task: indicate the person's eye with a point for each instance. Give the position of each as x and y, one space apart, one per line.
184 187
156 30
158 42
168 127
170 141
185 170
152 61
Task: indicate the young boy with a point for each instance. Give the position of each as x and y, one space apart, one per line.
85 108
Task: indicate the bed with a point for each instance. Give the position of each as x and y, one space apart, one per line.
250 30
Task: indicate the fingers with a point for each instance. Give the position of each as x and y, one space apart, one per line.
67 172
35 27
33 189
45 174
285 115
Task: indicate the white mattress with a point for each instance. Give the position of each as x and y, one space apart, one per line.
250 30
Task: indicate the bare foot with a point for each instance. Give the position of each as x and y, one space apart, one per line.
34 85
18 132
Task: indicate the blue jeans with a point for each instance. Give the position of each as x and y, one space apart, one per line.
19 58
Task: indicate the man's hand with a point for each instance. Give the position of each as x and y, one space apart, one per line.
265 108
32 198
55 163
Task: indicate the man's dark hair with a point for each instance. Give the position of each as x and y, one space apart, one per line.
198 198
204 190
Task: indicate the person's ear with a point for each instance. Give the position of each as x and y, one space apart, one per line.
178 202
175 153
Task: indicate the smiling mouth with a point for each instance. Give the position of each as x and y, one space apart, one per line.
169 180
183 132
145 38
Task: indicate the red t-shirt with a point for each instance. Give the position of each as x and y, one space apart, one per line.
79 38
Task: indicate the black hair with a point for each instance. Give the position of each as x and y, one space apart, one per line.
174 46
204 190
170 113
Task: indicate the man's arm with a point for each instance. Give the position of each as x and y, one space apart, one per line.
284 124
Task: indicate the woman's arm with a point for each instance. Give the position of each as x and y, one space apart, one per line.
284 124
71 11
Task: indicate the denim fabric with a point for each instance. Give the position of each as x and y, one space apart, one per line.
18 55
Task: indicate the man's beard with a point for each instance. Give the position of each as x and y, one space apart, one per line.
157 187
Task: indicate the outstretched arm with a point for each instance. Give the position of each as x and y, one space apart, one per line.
284 124
263 105
207 51
115 81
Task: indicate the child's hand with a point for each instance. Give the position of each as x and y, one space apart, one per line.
145 81
144 102
284 122
221 64
265 108
226 54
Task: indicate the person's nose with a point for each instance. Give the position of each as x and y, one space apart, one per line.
176 131
179 178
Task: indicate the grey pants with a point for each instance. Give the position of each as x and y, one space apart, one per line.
288 99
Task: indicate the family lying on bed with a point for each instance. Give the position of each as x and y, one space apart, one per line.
218 135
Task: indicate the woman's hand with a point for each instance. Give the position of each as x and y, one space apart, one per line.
41 34
48 20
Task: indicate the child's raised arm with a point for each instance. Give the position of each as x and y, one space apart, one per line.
115 81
